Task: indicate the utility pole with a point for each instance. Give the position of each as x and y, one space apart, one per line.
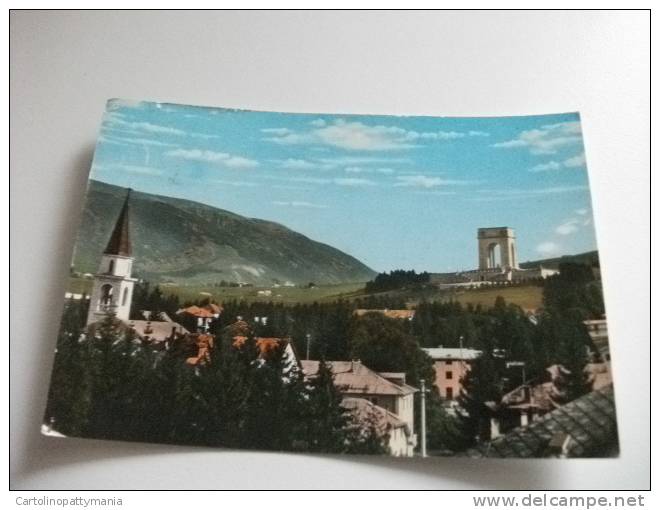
461 363
308 336
422 384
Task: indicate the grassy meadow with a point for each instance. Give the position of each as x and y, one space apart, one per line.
528 297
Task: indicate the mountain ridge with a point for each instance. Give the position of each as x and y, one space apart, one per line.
184 241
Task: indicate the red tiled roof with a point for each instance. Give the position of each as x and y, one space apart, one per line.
265 344
196 311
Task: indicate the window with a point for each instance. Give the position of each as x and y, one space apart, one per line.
449 362
124 297
449 375
111 267
106 295
449 393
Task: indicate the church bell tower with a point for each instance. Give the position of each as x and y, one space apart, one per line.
113 286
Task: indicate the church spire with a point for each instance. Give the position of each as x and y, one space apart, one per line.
120 241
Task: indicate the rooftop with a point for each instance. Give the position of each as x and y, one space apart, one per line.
590 421
353 377
209 311
447 353
158 331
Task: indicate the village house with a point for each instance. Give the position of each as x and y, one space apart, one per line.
405 314
383 395
450 365
530 401
201 316
597 329
163 330
583 427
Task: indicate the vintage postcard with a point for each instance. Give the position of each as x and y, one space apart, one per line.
405 286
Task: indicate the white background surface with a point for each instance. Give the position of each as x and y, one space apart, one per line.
65 65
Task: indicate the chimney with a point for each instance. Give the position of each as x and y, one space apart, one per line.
355 364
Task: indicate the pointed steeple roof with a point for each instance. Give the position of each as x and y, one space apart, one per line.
120 241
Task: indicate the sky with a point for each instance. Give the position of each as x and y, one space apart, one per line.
394 192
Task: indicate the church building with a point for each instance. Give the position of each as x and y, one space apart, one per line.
112 291
113 285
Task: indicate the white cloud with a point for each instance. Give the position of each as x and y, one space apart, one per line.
354 135
550 165
582 212
568 227
419 181
221 158
359 136
290 139
490 195
434 135
436 192
204 136
424 181
363 170
353 181
116 120
297 164
362 160
574 162
276 131
548 248
122 140
547 139
240 162
294 203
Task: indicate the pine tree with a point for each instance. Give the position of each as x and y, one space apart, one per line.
478 387
273 404
67 405
327 420
571 355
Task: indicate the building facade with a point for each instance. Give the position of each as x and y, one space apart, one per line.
387 392
450 365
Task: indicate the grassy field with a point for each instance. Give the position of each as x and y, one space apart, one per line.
287 295
527 297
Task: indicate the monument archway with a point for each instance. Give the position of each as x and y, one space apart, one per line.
497 248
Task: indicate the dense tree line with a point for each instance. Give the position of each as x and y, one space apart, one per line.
152 298
109 385
397 279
